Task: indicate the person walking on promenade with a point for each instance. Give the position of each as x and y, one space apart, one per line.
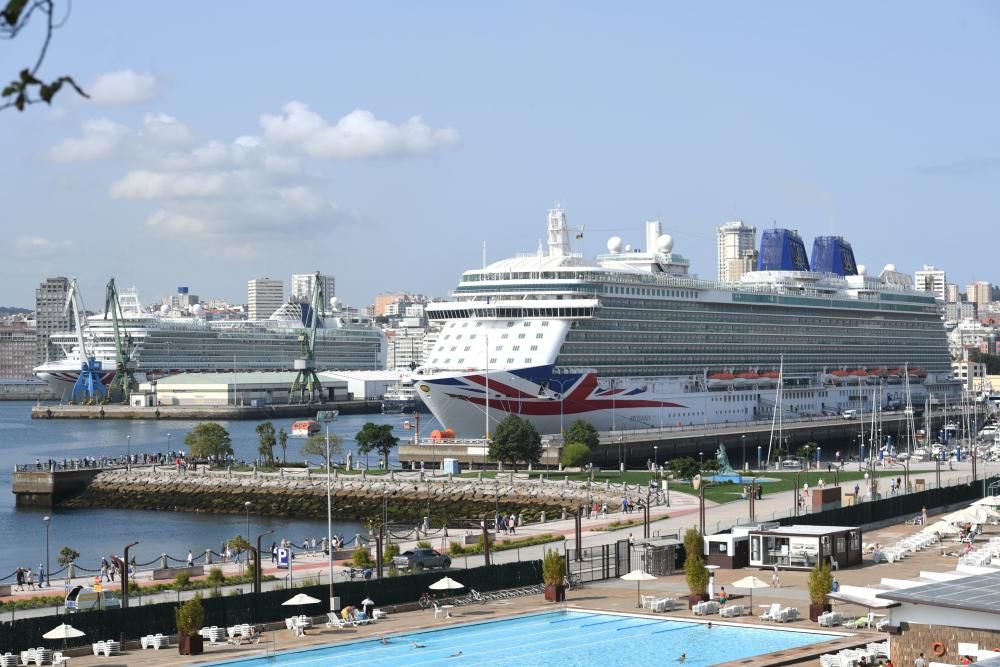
104 569
20 578
775 578
190 558
41 575
29 577
274 553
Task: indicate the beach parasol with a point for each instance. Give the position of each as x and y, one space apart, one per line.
63 632
942 527
638 576
299 600
751 583
446 584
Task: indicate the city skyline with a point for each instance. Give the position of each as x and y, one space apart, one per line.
385 147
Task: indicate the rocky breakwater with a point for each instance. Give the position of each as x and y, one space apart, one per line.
303 494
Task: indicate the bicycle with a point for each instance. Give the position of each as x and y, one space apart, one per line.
571 581
425 600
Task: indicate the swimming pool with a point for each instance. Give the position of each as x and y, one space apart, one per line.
551 639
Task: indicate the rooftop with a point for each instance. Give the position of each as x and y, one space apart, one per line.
808 530
979 592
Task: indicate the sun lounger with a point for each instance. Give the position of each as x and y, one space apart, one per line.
732 610
771 613
333 620
97 646
787 614
706 608
111 647
8 660
43 656
363 619
664 604
831 618
379 614
59 660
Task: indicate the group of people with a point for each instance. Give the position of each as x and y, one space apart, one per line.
507 524
27 578
116 567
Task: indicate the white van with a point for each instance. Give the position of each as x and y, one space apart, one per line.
850 414
80 598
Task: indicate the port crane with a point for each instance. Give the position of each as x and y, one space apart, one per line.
124 380
306 388
88 388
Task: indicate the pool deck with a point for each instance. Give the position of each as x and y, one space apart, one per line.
608 596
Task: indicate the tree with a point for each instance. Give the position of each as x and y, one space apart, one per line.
574 454
15 15
378 438
316 446
820 583
209 440
584 433
807 450
283 443
684 468
516 440
265 432
67 555
694 564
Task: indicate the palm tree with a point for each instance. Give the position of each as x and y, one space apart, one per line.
283 443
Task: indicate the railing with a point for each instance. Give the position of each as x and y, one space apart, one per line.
63 466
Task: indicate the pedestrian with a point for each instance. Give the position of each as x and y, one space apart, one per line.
857 492
29 578
513 524
41 575
190 559
104 569
20 578
775 578
899 484
274 553
920 661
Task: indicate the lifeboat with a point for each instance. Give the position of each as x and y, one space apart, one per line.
840 377
445 434
720 380
749 377
768 378
305 428
895 375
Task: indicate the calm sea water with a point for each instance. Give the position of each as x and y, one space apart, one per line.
96 533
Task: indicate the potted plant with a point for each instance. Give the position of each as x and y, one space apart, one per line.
820 584
553 574
694 567
190 619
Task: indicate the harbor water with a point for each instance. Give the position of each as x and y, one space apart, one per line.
104 532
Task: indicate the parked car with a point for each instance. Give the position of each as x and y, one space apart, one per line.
418 559
791 464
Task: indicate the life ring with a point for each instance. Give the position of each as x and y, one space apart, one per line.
937 648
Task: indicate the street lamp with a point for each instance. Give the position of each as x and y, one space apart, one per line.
128 450
701 461
168 442
743 447
760 451
247 506
48 577
656 457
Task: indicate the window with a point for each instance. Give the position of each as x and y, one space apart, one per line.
510 360
538 335
534 347
515 348
521 336
493 360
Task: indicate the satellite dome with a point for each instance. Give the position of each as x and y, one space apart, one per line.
889 267
665 244
196 309
862 269
615 244
164 309
334 303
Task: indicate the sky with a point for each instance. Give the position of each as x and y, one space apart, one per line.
384 143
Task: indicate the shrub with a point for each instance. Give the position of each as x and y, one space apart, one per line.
456 548
360 557
696 574
553 568
693 542
574 454
190 617
389 552
182 581
820 583
423 544
215 577
393 570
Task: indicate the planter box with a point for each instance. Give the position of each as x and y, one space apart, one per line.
193 645
555 593
695 599
816 609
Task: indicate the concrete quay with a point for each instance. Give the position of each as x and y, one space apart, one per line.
201 412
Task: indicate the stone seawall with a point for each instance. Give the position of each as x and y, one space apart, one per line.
301 494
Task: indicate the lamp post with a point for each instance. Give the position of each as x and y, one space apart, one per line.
168 442
128 450
48 576
701 461
743 448
656 457
819 455
257 563
760 451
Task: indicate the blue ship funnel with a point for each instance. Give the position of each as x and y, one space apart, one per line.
782 250
832 254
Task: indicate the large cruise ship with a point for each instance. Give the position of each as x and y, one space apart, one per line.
164 345
630 341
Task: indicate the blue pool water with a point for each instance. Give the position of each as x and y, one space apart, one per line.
553 639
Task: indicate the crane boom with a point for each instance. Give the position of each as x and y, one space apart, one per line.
124 380
306 388
88 382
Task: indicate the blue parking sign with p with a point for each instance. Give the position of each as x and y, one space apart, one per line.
283 556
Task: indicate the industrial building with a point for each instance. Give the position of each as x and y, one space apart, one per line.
253 388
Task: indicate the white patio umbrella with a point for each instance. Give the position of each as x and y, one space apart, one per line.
941 526
63 632
299 600
992 501
751 583
446 584
977 514
638 576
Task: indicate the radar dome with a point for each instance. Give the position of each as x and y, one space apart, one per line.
889 267
334 302
665 244
164 309
615 244
862 269
196 309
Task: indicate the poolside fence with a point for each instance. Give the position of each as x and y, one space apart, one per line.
264 607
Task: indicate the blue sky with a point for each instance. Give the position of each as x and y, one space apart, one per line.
384 142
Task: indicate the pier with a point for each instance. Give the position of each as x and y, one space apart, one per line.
201 412
48 484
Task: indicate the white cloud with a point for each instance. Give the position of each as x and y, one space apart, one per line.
357 135
164 129
143 184
99 139
122 87
38 247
